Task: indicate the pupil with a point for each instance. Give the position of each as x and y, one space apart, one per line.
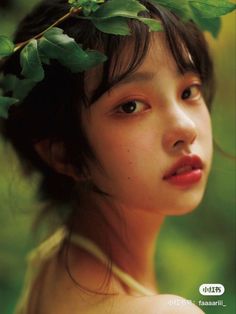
186 94
129 107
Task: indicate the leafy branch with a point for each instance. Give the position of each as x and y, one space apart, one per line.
60 20
110 17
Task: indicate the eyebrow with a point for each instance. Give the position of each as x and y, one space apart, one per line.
144 76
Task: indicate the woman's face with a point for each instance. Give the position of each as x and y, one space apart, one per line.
152 134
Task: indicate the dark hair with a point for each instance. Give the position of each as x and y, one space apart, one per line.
52 109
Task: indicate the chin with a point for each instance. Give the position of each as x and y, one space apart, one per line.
183 206
179 211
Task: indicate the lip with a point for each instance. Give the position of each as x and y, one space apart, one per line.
185 177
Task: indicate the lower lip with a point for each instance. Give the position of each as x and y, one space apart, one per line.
186 179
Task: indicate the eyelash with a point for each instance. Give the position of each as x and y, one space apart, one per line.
190 97
132 102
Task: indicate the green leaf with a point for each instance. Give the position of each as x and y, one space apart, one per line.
124 8
181 7
94 58
31 63
59 46
5 104
91 8
116 25
211 8
211 25
19 88
74 3
153 24
23 88
9 82
119 26
205 13
87 6
6 46
44 59
112 17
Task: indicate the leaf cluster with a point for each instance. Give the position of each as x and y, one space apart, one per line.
110 17
88 6
52 45
205 13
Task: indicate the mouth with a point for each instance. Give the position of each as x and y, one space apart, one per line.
186 171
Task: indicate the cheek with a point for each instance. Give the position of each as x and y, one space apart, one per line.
206 131
125 151
205 140
128 156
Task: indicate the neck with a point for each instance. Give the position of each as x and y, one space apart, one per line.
127 236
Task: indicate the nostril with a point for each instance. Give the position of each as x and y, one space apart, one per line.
193 138
178 138
178 143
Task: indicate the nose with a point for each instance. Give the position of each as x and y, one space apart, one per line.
180 134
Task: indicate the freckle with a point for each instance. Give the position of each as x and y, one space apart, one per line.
128 178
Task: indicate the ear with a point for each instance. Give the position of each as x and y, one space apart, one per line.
54 155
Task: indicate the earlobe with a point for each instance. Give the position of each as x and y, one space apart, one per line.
53 153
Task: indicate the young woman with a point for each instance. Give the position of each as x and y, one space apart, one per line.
122 145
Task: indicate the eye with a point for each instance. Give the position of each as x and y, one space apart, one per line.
192 92
131 107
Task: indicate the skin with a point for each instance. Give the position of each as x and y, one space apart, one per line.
135 150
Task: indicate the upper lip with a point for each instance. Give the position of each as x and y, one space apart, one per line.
190 160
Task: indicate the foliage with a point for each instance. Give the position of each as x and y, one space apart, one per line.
88 6
112 17
109 17
56 45
31 62
205 13
6 103
6 46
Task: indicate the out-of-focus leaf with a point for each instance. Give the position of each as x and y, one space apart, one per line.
22 88
205 13
6 46
211 25
180 8
5 104
212 8
9 82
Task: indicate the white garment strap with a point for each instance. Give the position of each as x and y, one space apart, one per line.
36 260
51 246
93 249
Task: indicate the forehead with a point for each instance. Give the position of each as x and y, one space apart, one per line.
158 54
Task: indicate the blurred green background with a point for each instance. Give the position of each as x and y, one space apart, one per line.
192 249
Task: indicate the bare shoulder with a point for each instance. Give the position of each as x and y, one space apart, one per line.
55 292
171 304
120 304
159 304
